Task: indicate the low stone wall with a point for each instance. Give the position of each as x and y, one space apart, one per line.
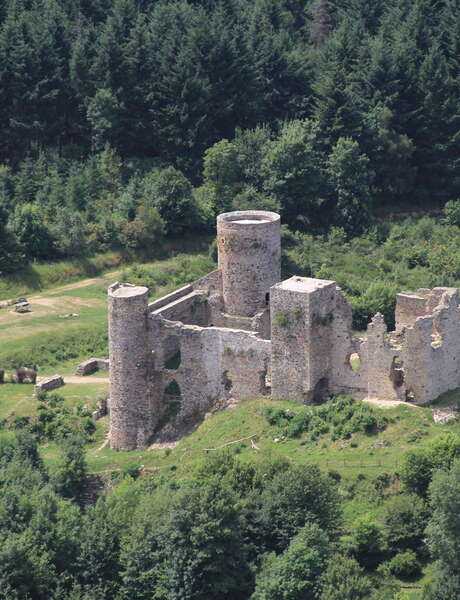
92 365
50 383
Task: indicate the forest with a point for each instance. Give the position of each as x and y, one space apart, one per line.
231 529
122 122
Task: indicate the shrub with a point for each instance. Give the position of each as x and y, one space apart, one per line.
368 542
344 414
405 520
404 564
451 213
133 470
418 466
379 297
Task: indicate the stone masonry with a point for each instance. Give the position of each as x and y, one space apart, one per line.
240 332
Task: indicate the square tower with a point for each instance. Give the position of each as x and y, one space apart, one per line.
302 312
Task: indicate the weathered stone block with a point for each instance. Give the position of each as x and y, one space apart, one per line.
49 383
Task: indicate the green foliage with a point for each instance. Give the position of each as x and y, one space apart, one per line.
404 564
368 542
405 521
70 474
379 297
350 177
443 533
295 574
173 273
282 319
292 498
345 580
132 470
341 415
372 268
294 175
418 466
58 347
451 213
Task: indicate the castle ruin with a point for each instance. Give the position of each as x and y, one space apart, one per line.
240 332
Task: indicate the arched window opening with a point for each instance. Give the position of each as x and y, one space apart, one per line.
227 380
355 362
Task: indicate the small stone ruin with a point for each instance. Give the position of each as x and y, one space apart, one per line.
49 383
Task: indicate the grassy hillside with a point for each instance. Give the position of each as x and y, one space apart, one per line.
37 277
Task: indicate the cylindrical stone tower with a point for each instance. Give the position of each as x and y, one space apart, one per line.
129 401
249 246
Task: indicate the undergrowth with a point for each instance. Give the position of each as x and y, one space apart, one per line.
53 420
342 416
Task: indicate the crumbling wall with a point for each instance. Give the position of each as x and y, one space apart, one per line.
343 379
409 306
216 364
431 349
381 363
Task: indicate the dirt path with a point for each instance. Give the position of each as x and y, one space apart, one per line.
109 277
83 379
388 403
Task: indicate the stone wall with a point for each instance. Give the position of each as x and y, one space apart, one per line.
216 364
431 350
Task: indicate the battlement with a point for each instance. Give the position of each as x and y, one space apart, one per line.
240 332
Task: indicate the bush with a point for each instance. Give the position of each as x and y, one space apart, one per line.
368 542
379 297
133 470
404 564
405 520
295 574
169 274
451 213
418 466
344 414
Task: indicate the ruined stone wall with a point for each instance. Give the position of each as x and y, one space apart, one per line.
215 364
409 307
313 346
431 350
342 378
249 248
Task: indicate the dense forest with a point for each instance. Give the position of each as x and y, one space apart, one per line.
124 121
232 530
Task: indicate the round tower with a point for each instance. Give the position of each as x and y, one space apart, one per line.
129 406
249 246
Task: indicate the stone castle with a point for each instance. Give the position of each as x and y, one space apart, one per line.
240 332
